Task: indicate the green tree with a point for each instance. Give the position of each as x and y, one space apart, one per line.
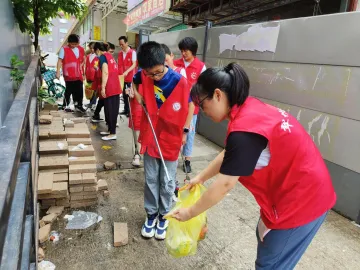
34 16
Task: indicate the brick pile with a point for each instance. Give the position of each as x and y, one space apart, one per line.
67 165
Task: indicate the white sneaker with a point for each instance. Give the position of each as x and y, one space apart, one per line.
105 133
160 231
136 161
117 124
148 229
109 138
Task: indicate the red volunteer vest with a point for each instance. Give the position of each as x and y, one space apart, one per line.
193 72
125 64
112 87
168 121
90 68
178 69
295 188
71 65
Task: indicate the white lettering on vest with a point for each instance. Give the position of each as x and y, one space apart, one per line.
286 125
193 75
176 106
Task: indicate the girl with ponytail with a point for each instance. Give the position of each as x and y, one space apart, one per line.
271 154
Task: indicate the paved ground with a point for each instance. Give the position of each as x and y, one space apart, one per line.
231 241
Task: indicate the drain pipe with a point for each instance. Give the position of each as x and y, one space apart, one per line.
208 25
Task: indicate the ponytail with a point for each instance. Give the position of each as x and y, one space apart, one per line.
100 46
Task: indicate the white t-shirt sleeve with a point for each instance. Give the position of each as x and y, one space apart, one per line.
61 53
133 57
203 69
183 72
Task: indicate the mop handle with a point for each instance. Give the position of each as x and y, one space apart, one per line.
156 141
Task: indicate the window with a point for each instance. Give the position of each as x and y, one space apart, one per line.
63 30
62 40
49 49
63 20
50 39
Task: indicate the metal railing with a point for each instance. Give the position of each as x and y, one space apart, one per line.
18 176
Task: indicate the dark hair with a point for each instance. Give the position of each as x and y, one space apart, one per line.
111 46
73 39
100 46
232 80
123 38
189 43
91 44
150 54
166 49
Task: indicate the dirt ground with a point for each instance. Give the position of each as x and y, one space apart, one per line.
230 243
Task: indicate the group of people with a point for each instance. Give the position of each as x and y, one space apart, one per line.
267 150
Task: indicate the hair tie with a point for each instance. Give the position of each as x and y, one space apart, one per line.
228 68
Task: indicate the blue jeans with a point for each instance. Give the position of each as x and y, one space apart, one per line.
282 249
188 147
159 190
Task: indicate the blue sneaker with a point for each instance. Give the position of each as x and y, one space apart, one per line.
148 229
160 232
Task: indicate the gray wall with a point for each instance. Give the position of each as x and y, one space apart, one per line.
13 43
314 74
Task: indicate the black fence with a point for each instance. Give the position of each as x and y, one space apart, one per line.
18 176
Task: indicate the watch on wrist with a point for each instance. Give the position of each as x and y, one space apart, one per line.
186 130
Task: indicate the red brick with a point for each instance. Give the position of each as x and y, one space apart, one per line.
75 179
76 152
82 168
53 161
121 237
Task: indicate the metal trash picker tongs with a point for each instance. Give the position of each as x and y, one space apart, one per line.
187 178
133 132
160 153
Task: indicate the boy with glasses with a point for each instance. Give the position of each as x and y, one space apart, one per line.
167 96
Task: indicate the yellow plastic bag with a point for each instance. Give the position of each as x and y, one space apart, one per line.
182 237
121 79
89 92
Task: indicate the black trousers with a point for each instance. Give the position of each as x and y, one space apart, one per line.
74 88
111 107
126 97
99 106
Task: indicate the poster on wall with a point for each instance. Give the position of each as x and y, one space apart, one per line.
97 33
146 10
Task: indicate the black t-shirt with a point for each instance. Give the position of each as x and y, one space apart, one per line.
242 152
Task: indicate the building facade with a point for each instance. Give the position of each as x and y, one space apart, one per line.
58 31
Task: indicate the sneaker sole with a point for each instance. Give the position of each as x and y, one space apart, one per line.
95 121
112 139
147 235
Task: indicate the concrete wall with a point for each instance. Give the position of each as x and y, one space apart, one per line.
14 42
314 74
115 27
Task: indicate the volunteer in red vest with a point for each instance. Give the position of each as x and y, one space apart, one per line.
169 61
127 65
193 67
271 154
167 102
110 89
71 59
91 64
